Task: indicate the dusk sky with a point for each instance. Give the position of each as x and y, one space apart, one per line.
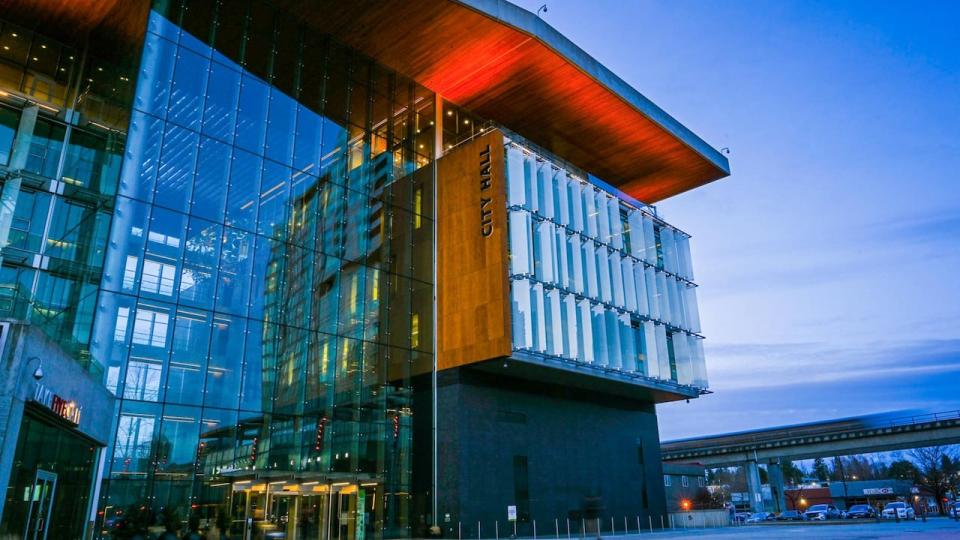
829 261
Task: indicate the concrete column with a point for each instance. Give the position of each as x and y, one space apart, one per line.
18 160
775 477
753 486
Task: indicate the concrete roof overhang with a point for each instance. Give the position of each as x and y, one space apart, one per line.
506 64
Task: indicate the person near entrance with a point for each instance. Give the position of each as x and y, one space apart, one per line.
193 529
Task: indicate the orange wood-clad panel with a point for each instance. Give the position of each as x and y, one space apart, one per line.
473 304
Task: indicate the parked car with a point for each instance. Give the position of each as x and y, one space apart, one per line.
760 517
899 509
821 512
861 511
953 509
790 515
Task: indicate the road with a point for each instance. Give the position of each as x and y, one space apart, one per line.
933 528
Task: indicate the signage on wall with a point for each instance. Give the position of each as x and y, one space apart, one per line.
878 491
66 409
511 513
486 182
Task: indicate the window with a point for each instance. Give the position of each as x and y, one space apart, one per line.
417 207
120 329
150 328
666 480
157 277
414 331
700 481
684 481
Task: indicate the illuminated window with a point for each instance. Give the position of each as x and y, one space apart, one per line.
354 283
414 331
417 207
666 480
684 481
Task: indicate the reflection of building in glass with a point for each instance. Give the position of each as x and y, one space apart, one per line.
221 216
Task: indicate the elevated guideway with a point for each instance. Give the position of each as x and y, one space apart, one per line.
827 438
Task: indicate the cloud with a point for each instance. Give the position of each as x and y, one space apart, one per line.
785 364
759 385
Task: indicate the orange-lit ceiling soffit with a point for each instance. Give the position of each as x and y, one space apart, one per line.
507 65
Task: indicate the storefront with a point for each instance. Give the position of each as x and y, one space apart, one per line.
52 438
49 490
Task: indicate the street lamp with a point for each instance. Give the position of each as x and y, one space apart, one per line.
37 373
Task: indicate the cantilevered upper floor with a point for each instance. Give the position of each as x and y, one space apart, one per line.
506 64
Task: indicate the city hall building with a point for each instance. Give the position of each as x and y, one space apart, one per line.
333 270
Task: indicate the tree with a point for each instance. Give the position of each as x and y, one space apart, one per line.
903 469
820 470
939 467
792 474
708 499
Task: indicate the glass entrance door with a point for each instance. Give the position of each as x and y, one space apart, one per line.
40 498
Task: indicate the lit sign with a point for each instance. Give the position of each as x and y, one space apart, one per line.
486 213
68 410
878 491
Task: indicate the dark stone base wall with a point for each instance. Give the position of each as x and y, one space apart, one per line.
587 456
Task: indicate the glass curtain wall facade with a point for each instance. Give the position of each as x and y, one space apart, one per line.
267 290
596 280
63 118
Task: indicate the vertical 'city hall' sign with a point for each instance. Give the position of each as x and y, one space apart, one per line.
473 307
486 212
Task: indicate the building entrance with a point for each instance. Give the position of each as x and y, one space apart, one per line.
40 505
304 511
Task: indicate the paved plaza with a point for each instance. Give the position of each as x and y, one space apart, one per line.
933 528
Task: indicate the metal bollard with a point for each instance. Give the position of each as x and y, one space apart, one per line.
459 537
478 530
496 526
626 530
568 527
650 520
638 524
613 529
534 529
556 525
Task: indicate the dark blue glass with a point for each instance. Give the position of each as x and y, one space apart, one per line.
236 262
244 190
281 127
211 182
220 108
187 88
153 84
252 114
179 161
